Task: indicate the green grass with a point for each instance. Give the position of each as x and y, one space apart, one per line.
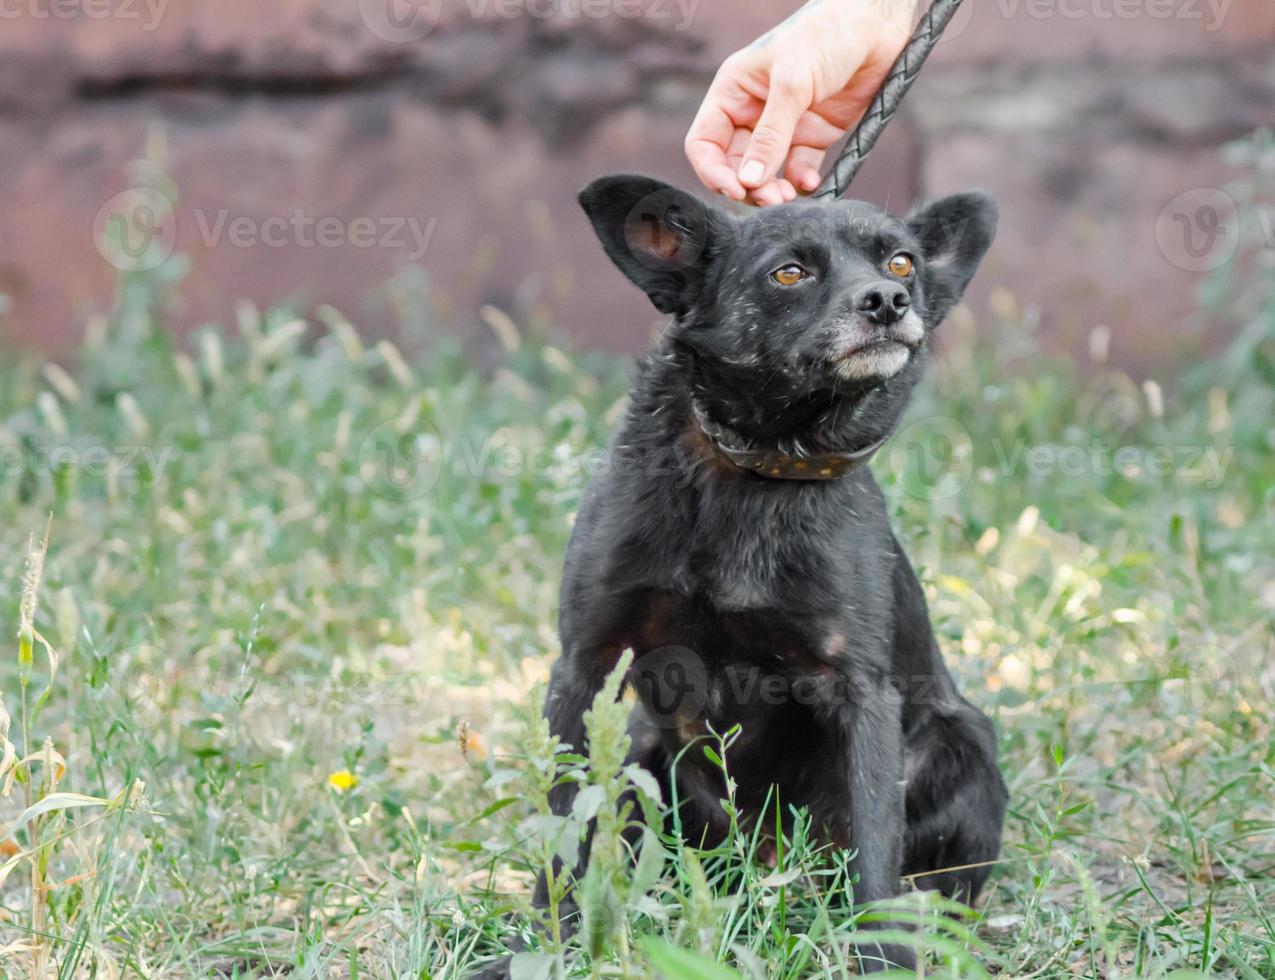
270 598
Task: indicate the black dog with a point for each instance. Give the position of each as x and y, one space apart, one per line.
740 548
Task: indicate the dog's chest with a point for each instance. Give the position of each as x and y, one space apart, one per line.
767 636
750 572
774 680
743 548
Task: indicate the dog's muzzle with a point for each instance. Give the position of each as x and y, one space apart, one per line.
867 350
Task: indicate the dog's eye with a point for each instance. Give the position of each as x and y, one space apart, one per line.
789 275
900 265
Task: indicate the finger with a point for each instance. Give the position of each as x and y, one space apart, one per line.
778 191
738 144
764 158
710 134
766 195
804 166
706 142
727 106
817 130
719 177
814 134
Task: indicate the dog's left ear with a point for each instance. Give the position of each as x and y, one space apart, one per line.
955 233
658 236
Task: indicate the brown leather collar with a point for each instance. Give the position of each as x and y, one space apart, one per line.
776 465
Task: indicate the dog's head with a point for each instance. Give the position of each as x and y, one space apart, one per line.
806 296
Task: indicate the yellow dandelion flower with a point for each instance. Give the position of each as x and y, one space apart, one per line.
342 780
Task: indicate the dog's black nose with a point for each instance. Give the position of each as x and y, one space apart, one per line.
883 302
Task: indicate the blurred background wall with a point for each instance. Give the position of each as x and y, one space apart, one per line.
318 151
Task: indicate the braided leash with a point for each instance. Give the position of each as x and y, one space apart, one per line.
884 106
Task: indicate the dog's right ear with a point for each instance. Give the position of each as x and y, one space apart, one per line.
658 236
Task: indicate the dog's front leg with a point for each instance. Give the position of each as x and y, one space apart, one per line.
873 730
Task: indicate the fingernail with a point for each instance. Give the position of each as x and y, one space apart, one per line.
752 172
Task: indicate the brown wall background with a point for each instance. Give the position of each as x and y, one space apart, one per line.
1096 123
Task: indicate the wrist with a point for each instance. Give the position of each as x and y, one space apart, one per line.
881 17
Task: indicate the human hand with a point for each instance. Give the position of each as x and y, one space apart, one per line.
775 107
